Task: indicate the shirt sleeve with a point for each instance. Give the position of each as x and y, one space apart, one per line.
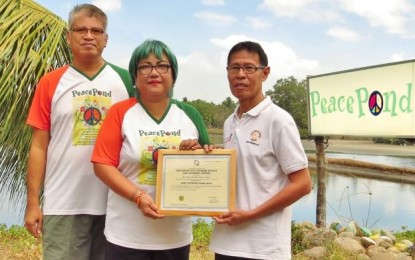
292 157
40 110
197 119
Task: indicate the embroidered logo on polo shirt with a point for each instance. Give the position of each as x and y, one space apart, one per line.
255 136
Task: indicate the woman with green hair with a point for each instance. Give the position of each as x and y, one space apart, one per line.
125 158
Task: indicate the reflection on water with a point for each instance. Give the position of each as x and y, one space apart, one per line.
371 203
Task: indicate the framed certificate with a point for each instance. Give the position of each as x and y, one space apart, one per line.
195 182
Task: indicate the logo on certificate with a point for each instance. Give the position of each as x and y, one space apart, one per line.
181 198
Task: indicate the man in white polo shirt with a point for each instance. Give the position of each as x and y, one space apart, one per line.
272 168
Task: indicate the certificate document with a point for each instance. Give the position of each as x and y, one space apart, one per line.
195 182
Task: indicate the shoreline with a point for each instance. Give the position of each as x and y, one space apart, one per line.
357 168
366 147
366 170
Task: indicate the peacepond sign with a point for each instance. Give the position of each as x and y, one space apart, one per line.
370 101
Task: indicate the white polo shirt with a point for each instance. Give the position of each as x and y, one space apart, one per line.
269 148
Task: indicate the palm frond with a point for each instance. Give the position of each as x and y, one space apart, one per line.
32 42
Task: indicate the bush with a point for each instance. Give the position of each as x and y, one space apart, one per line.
304 133
395 141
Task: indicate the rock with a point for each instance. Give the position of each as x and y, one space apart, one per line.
319 237
394 249
363 244
365 231
375 232
384 256
336 226
384 244
401 246
386 239
375 249
366 242
362 256
389 234
346 234
407 242
308 225
315 252
350 245
403 256
375 236
352 227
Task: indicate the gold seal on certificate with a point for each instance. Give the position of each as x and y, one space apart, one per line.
195 182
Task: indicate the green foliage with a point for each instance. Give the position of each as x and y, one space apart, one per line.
213 115
291 95
405 234
32 42
228 103
297 236
202 232
304 133
395 141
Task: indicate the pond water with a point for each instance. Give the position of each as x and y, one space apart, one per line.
369 202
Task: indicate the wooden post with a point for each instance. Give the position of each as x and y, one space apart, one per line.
321 181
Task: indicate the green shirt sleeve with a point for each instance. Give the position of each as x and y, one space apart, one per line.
125 76
197 119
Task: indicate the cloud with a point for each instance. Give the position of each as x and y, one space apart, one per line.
396 16
283 60
202 76
257 23
306 10
343 33
393 15
108 5
213 2
397 56
283 8
216 18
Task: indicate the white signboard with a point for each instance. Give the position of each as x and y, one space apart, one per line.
370 101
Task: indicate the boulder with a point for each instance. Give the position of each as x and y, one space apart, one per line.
350 245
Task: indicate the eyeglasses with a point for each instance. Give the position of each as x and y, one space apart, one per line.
248 69
147 69
83 31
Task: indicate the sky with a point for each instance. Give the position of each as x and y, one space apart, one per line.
301 37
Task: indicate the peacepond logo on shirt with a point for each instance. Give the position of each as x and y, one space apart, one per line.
90 108
91 92
159 133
